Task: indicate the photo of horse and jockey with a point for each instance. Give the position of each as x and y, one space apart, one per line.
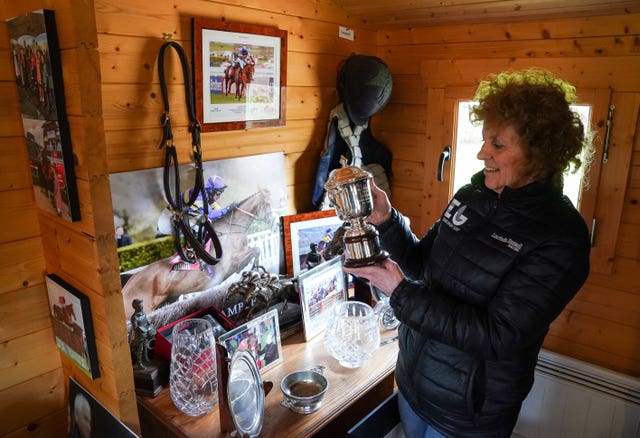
245 197
239 74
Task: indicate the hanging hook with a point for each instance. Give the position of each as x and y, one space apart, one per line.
167 36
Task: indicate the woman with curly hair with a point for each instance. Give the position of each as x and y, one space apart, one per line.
477 294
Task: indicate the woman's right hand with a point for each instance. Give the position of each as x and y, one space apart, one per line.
381 211
385 275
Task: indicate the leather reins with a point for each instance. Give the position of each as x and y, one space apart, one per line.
195 242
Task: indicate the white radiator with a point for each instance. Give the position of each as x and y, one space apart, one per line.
575 399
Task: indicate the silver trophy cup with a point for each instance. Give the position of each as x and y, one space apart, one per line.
349 192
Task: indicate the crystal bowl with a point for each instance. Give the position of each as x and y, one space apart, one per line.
352 334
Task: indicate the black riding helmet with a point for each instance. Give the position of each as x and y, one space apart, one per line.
364 85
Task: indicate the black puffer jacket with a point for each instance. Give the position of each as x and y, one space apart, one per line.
482 288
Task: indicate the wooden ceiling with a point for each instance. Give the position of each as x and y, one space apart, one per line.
382 14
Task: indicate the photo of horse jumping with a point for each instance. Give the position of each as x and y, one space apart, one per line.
159 283
246 196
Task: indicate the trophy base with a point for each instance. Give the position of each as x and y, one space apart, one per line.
149 381
368 261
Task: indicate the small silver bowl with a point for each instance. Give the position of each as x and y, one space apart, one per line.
303 390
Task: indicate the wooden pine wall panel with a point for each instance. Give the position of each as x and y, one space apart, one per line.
591 72
30 402
13 177
46 427
28 357
139 148
629 238
21 218
10 117
603 26
21 264
606 48
109 50
23 311
36 242
31 384
132 102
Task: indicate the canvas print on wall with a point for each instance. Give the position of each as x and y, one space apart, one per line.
246 195
72 324
36 61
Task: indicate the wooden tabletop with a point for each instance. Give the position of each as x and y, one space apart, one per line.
345 387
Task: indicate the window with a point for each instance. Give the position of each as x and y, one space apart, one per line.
469 140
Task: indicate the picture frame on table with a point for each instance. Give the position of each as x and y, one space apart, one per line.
37 64
89 417
72 324
321 289
301 230
240 75
260 336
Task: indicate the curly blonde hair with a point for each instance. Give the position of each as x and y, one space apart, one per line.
537 104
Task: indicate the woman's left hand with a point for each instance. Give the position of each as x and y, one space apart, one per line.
385 275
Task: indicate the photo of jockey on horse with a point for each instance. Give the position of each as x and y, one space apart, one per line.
239 72
165 280
244 197
214 188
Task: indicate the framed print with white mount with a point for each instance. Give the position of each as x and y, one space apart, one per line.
321 288
240 75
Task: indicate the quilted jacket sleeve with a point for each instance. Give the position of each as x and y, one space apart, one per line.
404 247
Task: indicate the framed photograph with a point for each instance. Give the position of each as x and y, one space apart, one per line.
89 418
33 46
321 288
307 234
240 75
250 195
260 337
72 324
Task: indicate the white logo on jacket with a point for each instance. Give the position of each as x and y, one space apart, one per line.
512 244
454 216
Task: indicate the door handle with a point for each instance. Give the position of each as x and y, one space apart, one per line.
445 155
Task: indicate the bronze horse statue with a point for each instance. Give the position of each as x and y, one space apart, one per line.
157 284
241 77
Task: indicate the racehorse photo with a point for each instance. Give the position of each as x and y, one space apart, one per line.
159 283
240 77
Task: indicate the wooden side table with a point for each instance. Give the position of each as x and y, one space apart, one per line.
351 395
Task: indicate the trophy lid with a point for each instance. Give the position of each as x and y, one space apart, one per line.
345 175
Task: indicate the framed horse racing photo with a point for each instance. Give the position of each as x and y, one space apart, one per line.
246 197
306 235
260 336
72 324
240 75
321 288
33 45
